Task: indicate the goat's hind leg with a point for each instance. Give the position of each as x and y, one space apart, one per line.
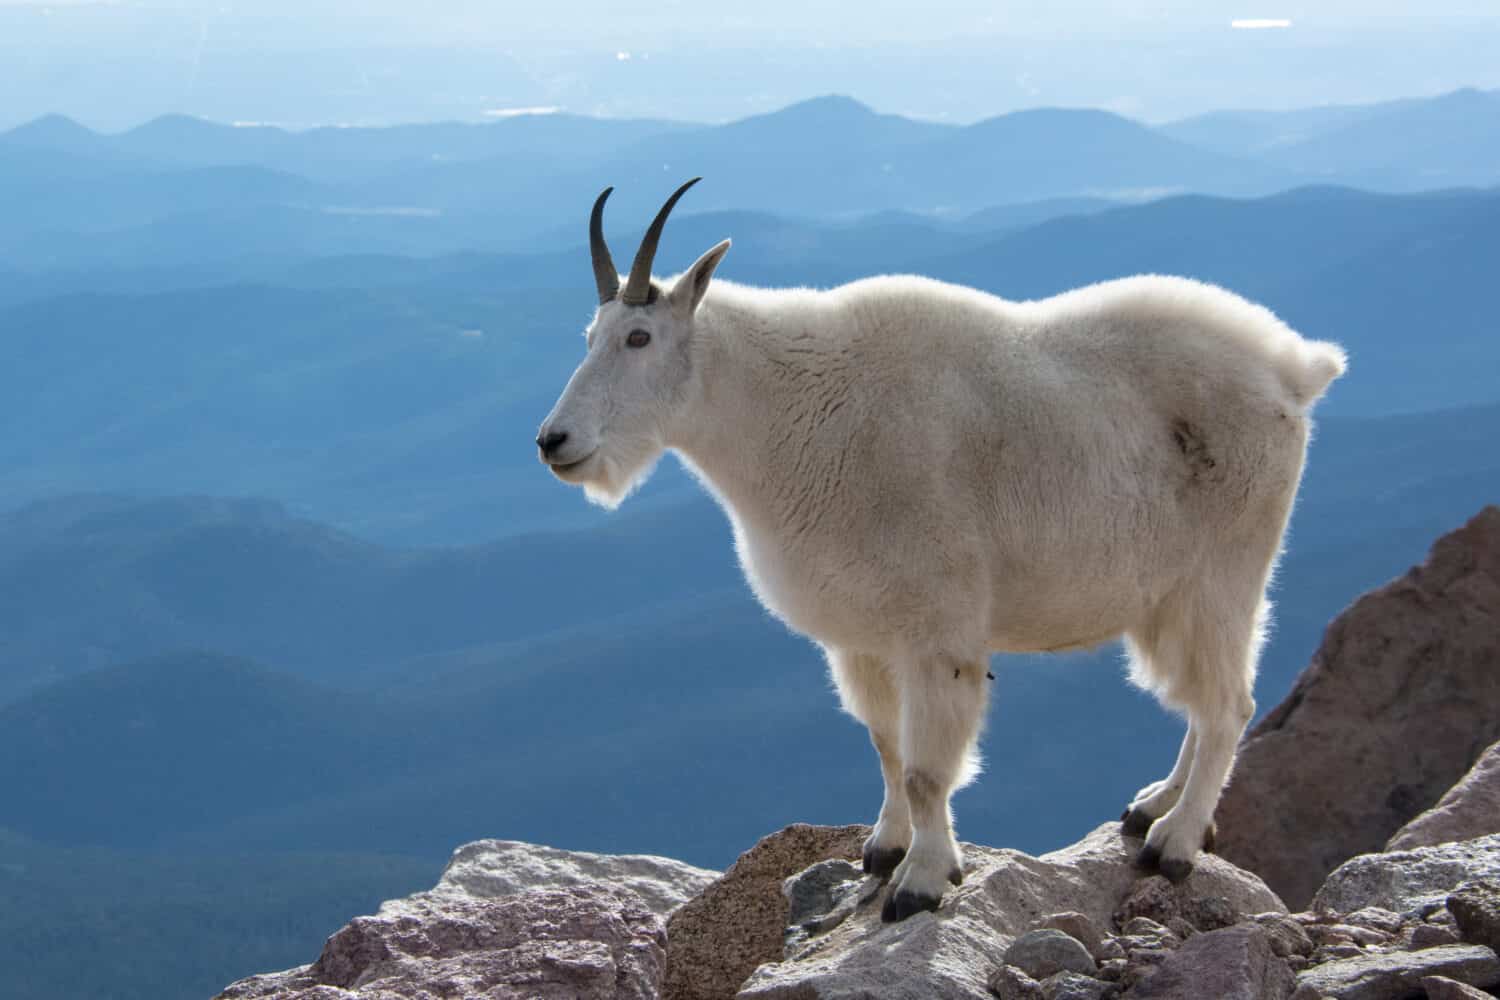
869 693
942 705
1220 640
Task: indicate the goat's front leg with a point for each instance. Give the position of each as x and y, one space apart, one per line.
868 691
942 704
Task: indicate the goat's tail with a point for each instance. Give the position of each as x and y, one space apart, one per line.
1319 364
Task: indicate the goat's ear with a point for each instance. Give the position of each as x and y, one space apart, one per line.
688 291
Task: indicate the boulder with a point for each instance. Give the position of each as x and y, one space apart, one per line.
953 953
1443 988
488 869
1047 951
1398 703
1287 936
1079 927
1009 983
1074 986
1396 975
1408 881
1235 963
505 919
1470 809
736 923
577 943
1476 910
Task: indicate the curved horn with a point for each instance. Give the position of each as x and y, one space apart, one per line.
605 275
638 289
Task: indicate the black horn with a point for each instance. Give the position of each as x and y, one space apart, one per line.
638 290
605 275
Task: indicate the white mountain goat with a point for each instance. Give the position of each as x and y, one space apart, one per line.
919 474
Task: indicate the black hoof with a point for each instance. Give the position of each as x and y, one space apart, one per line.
1176 870
956 876
1210 839
1135 823
881 861
903 904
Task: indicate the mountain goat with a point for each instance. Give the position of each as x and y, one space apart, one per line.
919 474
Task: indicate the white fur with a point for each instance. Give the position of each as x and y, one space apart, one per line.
919 474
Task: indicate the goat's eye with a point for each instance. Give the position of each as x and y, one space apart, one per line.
638 338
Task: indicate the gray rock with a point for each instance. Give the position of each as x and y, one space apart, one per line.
1010 983
1145 927
1287 936
1433 936
1443 988
1407 881
1347 934
1396 706
1375 918
490 869
1073 986
1397 974
950 954
1234 963
1112 970
1306 992
819 889
1142 963
1476 911
1045 952
1080 927
821 898
1469 809
576 943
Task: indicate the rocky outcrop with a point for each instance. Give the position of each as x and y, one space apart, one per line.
1399 974
1470 809
488 869
509 921
953 953
1235 963
550 944
1408 881
506 920
1400 699
737 923
1396 706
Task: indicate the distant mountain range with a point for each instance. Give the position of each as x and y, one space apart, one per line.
1445 141
157 927
509 184
396 396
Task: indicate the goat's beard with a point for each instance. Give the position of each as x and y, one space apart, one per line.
619 469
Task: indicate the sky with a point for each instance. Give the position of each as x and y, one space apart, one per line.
116 63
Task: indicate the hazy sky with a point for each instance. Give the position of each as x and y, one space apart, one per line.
113 63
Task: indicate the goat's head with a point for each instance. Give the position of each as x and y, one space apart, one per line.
612 421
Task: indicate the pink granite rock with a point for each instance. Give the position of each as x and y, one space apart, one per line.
1470 809
577 943
506 920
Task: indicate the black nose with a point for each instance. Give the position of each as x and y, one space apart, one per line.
551 442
